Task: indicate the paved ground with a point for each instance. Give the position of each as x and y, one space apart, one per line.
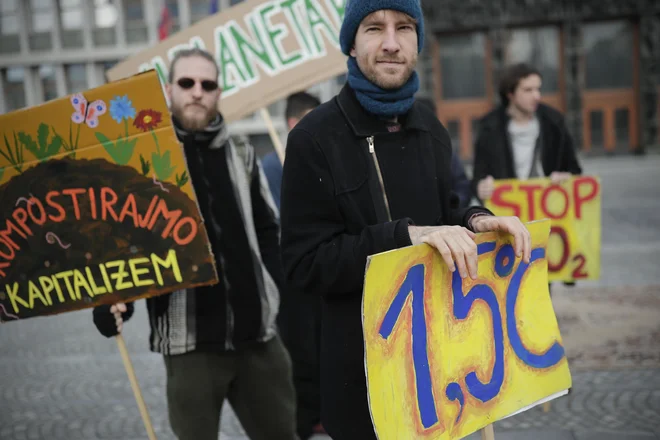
60 380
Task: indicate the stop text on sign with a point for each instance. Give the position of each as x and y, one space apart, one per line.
574 208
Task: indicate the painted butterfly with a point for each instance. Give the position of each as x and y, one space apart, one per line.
89 113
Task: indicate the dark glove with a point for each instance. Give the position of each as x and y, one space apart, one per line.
105 321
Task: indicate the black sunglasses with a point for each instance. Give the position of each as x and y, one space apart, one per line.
189 83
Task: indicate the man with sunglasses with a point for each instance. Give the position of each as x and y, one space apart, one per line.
220 341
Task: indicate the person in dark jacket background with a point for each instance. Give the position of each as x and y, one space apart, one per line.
220 342
522 138
297 106
299 319
369 172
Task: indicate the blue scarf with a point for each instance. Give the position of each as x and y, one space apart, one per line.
378 101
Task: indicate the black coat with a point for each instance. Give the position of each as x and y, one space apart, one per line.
334 216
494 153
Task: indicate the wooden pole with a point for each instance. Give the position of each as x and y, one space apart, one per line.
487 433
546 407
136 388
279 149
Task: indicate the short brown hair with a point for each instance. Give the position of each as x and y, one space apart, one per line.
512 77
187 53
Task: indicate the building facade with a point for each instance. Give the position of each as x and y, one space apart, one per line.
599 59
52 48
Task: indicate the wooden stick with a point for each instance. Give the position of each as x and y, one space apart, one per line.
279 149
136 388
487 433
546 407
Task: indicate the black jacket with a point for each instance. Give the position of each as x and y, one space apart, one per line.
334 216
240 219
494 153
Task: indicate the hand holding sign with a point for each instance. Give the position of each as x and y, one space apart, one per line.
447 356
454 243
485 188
522 240
559 177
109 319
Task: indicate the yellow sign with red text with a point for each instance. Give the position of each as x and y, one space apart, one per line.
574 207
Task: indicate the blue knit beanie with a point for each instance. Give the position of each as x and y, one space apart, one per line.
356 10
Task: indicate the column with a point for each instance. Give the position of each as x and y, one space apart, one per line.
572 74
151 17
184 13
60 80
91 75
89 23
24 26
56 32
120 27
31 87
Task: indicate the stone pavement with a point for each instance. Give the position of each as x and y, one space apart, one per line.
59 379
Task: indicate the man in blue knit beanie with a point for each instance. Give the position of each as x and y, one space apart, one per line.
369 172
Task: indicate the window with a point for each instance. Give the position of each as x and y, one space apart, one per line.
463 66
105 20
9 39
41 14
608 55
76 78
200 9
133 10
105 14
72 14
538 47
14 88
48 81
136 28
9 17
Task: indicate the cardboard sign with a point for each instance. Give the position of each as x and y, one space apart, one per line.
575 210
97 205
446 357
266 50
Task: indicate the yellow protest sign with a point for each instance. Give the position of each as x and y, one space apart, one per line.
97 205
574 208
446 357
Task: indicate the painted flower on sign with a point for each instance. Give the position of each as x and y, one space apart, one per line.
147 119
121 108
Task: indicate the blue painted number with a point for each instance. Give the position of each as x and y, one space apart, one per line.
414 284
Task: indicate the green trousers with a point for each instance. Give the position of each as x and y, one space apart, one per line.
257 381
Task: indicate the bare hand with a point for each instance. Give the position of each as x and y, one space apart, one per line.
485 188
117 310
558 177
455 244
522 239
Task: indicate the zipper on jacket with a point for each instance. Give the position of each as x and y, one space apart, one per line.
374 157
